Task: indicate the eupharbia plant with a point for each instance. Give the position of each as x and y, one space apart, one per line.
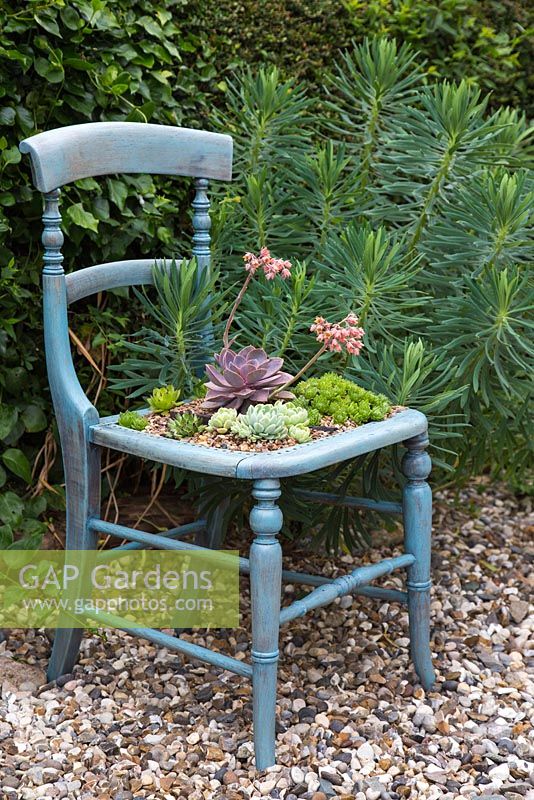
421 204
411 202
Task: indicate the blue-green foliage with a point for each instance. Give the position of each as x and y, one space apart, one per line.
426 197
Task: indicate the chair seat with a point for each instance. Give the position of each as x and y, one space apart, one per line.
295 460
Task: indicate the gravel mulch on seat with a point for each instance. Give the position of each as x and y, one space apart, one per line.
133 721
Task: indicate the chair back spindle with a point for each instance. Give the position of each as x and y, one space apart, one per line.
201 224
52 237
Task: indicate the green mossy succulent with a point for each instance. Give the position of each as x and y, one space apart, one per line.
223 420
262 421
163 398
133 420
184 426
344 401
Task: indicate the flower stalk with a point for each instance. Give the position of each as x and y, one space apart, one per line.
271 268
334 336
231 316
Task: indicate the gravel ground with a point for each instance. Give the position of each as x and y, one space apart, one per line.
137 722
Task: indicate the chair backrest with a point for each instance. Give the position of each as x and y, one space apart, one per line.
101 148
64 155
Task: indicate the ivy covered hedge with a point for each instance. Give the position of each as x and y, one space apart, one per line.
70 61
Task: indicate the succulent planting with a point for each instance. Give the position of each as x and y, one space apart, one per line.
268 422
163 398
184 426
260 422
300 433
133 420
244 378
292 414
342 400
223 420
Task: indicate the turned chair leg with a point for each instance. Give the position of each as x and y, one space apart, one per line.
417 511
82 488
266 586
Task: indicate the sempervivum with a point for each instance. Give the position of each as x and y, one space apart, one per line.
260 422
244 378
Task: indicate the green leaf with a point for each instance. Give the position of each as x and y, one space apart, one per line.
48 24
151 27
118 192
7 115
79 63
87 184
11 155
18 463
34 419
142 113
7 199
53 73
25 119
35 506
71 18
6 536
3 476
11 508
8 419
84 219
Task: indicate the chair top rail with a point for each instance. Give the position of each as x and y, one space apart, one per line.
68 154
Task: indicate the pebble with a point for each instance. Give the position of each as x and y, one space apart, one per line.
297 775
519 610
373 794
134 722
500 772
365 752
424 718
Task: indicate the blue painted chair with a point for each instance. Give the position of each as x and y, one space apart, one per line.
65 155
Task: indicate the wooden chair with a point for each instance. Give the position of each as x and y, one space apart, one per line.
65 155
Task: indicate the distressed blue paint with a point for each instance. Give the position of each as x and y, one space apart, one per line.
174 643
166 541
173 533
65 155
113 275
74 413
201 224
417 507
62 156
343 585
296 460
377 592
158 541
265 592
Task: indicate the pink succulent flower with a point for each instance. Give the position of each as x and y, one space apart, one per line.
339 336
271 266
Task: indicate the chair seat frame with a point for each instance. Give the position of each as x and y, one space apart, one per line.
68 154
